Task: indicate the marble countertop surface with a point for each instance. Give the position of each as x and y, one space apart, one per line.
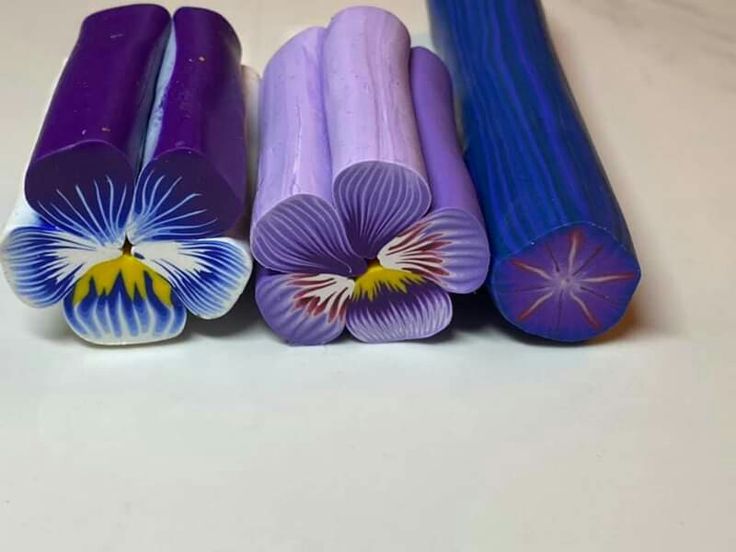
227 440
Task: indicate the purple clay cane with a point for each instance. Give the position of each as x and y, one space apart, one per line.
373 265
455 205
372 127
294 190
90 141
195 148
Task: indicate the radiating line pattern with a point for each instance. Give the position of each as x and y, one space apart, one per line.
164 210
99 216
420 311
127 319
445 247
532 161
208 274
42 262
304 234
116 291
402 294
377 201
580 284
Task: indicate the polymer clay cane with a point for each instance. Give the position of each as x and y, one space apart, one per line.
371 125
129 254
564 264
337 222
196 135
90 141
294 171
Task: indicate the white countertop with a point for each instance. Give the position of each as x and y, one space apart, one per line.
227 440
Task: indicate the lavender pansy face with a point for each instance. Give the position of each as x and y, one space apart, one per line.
317 285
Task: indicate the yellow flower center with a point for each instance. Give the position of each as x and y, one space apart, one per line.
376 277
104 275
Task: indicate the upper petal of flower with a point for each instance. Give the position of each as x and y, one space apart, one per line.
208 275
303 234
171 207
98 212
42 262
448 247
376 201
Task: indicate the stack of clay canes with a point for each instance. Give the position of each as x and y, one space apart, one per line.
138 174
564 265
365 216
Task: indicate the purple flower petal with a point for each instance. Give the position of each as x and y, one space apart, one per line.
448 247
413 310
304 234
304 309
376 201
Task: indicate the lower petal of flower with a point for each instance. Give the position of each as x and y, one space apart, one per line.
123 301
208 275
448 247
304 309
394 305
42 262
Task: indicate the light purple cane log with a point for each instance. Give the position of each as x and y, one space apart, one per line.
372 128
449 178
295 227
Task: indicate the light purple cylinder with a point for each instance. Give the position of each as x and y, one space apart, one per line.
371 126
295 227
295 153
449 178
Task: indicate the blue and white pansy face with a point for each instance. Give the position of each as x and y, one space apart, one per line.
126 272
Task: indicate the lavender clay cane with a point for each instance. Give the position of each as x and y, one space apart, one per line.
375 265
128 271
371 125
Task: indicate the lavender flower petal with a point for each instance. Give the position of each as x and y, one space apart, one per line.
421 311
304 309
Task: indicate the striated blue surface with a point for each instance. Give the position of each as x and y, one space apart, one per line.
534 167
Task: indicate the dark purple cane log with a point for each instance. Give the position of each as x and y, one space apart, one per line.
195 149
82 170
295 227
371 126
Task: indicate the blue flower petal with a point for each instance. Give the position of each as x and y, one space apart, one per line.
118 317
42 262
208 275
98 212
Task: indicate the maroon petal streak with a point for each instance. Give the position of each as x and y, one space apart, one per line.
304 309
